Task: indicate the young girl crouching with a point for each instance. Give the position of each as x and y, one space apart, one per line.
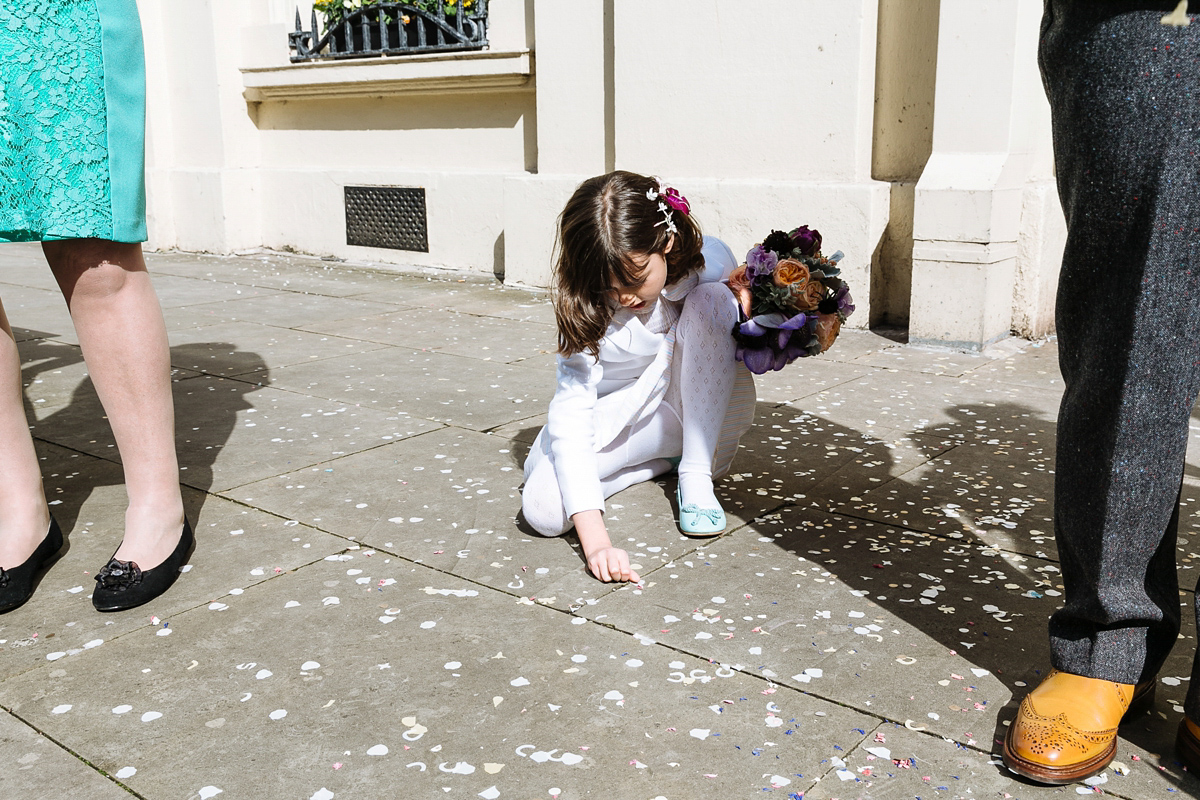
646 374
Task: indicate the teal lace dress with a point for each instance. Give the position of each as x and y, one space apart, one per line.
72 121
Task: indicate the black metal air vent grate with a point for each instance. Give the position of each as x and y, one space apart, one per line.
387 216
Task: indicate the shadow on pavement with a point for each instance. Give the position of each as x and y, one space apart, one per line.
81 424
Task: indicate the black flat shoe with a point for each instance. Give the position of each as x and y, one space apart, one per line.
16 584
122 584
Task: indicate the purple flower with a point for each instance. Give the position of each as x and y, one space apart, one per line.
757 359
807 241
760 262
844 300
675 200
751 328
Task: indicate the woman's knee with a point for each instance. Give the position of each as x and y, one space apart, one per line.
94 268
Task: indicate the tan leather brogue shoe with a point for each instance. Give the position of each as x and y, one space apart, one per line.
1066 728
1187 745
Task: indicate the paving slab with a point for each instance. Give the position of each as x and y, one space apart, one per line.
937 361
895 762
1002 493
237 547
36 768
290 309
273 271
462 334
22 264
230 432
317 681
803 624
804 378
471 297
854 343
174 291
55 376
454 390
791 453
1035 366
24 305
235 348
889 563
449 499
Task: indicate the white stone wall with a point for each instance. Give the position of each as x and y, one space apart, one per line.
766 115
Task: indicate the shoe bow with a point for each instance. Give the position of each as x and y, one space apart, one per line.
117 576
714 514
3 577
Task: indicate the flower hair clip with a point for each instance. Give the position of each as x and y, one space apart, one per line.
669 199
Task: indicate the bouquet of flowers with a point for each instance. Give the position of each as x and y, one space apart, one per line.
792 302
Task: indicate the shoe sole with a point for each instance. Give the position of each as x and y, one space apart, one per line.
1187 747
1142 701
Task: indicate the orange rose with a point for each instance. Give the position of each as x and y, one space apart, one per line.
790 272
739 278
828 326
809 295
739 284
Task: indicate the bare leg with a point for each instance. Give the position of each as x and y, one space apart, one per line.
24 516
124 341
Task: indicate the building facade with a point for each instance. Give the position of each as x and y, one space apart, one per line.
913 133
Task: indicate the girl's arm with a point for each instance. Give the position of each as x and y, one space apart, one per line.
570 428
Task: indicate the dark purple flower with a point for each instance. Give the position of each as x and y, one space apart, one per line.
778 242
760 262
806 240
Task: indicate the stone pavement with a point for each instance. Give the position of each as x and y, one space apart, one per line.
363 617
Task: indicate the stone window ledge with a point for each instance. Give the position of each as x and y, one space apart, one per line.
439 73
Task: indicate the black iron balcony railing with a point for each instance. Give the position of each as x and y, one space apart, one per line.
393 29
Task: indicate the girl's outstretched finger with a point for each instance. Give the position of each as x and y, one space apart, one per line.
620 569
599 568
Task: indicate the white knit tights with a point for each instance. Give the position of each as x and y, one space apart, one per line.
703 377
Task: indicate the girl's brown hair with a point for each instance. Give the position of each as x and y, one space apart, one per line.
609 220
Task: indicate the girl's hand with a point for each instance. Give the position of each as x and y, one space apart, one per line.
606 562
611 564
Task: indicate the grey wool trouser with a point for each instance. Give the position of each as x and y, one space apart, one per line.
1124 91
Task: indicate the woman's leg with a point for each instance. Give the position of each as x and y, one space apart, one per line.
703 373
124 341
24 516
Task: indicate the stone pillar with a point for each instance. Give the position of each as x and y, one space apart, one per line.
991 149
203 148
573 42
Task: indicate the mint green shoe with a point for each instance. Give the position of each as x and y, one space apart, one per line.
696 521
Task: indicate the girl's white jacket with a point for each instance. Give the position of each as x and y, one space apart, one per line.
596 399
